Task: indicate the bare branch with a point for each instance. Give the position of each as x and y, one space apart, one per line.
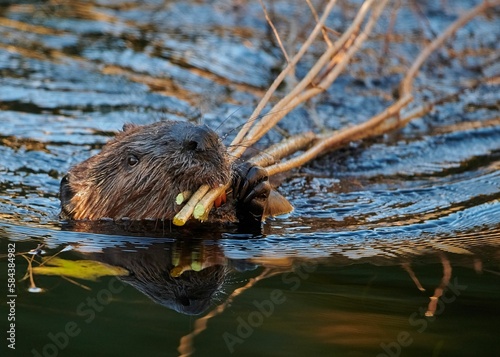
276 34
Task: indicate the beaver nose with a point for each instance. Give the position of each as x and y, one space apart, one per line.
201 138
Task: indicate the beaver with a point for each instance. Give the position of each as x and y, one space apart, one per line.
153 270
138 174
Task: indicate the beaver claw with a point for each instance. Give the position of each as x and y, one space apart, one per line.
251 189
251 182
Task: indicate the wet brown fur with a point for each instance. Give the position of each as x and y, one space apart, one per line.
172 157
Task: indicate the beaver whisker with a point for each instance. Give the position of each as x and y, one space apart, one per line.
226 120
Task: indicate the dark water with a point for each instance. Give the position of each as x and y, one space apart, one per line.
384 232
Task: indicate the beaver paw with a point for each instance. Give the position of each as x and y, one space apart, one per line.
251 189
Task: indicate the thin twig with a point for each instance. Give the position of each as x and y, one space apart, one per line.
345 58
409 270
76 282
293 62
276 34
324 30
388 34
407 83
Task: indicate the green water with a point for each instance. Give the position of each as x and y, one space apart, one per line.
320 306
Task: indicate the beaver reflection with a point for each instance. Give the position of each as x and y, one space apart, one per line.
185 279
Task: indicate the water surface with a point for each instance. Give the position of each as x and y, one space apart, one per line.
393 248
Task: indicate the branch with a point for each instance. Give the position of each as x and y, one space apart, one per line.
389 119
331 63
291 65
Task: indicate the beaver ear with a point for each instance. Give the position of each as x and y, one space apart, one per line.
65 195
276 205
129 126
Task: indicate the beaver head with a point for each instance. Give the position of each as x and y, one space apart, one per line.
139 173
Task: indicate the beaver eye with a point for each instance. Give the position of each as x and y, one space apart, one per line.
132 160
